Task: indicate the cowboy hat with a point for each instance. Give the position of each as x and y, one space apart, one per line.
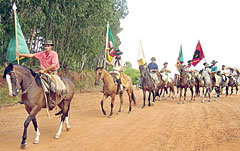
118 52
165 63
189 61
153 58
213 62
49 42
205 63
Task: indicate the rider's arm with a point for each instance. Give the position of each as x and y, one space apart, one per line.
25 55
107 61
49 68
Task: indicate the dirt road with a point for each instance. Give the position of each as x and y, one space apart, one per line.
213 126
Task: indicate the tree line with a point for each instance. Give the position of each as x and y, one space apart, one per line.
77 27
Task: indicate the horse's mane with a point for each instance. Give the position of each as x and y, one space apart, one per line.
34 74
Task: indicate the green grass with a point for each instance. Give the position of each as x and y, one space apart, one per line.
5 100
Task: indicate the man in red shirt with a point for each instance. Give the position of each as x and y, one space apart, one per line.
49 63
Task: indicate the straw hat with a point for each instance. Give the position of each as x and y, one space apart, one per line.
153 58
49 42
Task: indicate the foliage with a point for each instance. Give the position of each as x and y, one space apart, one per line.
77 27
133 73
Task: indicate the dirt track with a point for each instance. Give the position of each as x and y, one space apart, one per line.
162 127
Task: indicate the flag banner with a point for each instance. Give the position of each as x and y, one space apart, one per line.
110 45
198 55
22 45
180 57
141 56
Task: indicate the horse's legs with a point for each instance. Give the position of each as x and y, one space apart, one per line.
65 109
165 91
112 105
209 95
226 90
205 95
185 94
121 102
149 97
130 100
31 115
36 140
154 95
144 98
160 96
180 95
103 99
236 88
191 89
231 90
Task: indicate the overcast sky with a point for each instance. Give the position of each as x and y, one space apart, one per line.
163 25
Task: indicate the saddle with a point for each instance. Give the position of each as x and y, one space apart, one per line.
54 88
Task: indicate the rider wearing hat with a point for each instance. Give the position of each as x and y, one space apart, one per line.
190 71
223 73
165 71
153 68
214 71
118 66
49 64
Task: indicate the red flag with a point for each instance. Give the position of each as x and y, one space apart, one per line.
198 55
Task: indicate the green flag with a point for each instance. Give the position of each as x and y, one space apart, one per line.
22 45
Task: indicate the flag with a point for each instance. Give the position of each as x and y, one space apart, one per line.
198 55
110 45
180 57
141 56
21 46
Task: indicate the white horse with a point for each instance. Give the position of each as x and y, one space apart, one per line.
206 77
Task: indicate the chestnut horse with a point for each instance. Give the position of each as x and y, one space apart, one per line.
147 84
110 88
184 84
19 77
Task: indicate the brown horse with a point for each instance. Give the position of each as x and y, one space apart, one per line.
184 84
19 77
111 89
161 87
147 85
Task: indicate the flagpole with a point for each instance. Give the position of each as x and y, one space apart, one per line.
106 45
15 20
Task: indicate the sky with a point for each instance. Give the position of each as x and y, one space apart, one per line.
164 25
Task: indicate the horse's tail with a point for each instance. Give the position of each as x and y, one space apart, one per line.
133 98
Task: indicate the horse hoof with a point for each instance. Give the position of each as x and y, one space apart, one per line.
118 113
56 136
143 107
68 128
36 142
104 113
153 103
129 112
110 116
203 101
178 102
183 102
149 105
23 146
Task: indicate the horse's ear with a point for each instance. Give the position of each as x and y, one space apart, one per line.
11 66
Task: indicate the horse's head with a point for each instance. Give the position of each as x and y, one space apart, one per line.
98 75
12 80
143 69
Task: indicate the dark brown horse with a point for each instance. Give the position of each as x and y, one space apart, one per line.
233 82
184 84
19 77
147 85
161 87
110 88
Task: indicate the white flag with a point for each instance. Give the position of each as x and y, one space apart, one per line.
141 56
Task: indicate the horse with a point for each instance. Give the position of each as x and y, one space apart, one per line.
147 85
233 82
161 86
20 77
199 83
184 84
206 77
110 88
223 84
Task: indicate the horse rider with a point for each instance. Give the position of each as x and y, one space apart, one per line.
165 71
153 68
206 67
190 71
214 71
49 64
233 74
118 66
223 73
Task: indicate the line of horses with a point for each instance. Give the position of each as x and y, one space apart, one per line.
19 77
